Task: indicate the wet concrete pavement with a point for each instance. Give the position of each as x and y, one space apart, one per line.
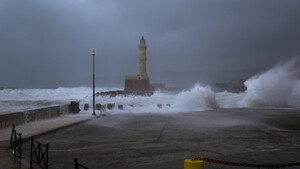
161 141
7 160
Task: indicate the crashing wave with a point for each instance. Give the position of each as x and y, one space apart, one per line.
277 87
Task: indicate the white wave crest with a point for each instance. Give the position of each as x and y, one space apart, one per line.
197 98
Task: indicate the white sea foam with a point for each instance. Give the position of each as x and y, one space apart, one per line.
229 100
197 98
277 87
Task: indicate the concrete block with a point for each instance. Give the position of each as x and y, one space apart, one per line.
110 106
98 106
120 107
74 107
86 107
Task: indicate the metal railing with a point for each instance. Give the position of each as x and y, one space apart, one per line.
78 166
39 154
17 144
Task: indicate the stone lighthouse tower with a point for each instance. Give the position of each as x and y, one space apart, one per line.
139 83
143 59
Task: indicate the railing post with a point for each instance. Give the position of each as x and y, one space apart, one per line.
47 149
20 147
15 142
39 149
11 137
31 152
76 163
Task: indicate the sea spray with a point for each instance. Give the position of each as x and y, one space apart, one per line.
277 87
229 100
197 98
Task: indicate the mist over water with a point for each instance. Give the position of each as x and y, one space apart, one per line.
277 87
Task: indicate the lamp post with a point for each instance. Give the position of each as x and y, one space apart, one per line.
93 53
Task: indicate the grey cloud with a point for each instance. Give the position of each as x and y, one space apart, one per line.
46 43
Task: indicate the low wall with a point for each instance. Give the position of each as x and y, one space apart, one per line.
7 120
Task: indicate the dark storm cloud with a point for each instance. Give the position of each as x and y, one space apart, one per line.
46 43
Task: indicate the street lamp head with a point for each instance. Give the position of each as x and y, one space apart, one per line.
93 51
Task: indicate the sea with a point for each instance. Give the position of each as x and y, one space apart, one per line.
278 87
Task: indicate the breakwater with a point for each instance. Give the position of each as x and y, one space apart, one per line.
7 120
124 93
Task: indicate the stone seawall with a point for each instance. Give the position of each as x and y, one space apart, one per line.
7 120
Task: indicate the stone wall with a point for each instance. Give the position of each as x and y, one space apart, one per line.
134 84
7 120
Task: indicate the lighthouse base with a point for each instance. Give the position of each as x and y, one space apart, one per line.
135 84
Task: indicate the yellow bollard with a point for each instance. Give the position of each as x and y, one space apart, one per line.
189 164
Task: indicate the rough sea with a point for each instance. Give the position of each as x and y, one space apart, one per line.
278 87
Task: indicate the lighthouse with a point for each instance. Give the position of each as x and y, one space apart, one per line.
143 59
139 83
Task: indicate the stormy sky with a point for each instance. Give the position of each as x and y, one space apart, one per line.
45 44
